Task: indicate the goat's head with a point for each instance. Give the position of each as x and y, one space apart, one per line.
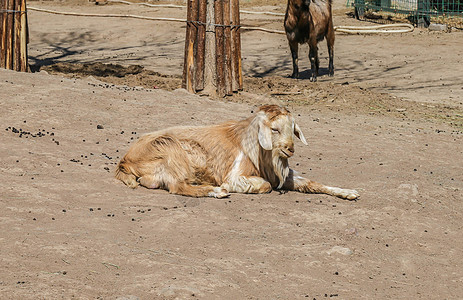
300 4
277 129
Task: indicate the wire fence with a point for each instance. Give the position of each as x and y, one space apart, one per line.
418 12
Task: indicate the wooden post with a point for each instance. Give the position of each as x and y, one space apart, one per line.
13 35
228 49
238 76
212 62
188 66
9 36
187 38
17 36
24 66
219 46
201 46
210 74
192 45
2 32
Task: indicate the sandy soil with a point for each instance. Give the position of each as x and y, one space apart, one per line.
389 124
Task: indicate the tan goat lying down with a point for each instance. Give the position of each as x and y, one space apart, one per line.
247 156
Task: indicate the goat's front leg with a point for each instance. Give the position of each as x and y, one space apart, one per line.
294 182
294 46
247 185
314 62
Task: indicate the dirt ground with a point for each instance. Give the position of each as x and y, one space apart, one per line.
389 124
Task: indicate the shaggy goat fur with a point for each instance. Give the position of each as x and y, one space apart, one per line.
309 21
247 156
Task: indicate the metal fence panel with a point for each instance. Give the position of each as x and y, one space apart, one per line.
419 12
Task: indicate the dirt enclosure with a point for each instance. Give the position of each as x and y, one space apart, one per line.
389 124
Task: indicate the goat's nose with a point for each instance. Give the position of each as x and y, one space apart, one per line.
290 149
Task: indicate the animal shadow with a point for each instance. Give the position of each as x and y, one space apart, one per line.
306 74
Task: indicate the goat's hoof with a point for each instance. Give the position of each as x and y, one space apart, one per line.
343 193
219 193
350 194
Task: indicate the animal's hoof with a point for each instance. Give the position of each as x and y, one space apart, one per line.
350 194
219 193
313 79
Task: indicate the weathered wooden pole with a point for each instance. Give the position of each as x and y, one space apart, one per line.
17 36
219 46
228 48
187 38
210 74
188 66
2 32
24 31
201 46
9 35
13 35
236 45
212 62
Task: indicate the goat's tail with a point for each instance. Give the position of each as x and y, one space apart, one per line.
125 174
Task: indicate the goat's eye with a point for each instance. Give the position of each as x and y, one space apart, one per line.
274 130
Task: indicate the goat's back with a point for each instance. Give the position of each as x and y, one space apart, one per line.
196 154
300 23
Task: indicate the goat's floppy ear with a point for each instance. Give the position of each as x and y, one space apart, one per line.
265 136
298 133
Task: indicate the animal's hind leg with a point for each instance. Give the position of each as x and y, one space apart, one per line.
330 43
159 175
164 177
149 181
314 62
294 47
185 189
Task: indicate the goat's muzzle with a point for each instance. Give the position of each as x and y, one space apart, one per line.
305 4
287 151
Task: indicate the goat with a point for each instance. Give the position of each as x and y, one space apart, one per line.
247 156
309 21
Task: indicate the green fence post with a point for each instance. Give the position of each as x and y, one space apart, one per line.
422 17
359 8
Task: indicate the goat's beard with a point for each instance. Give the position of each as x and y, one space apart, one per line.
280 167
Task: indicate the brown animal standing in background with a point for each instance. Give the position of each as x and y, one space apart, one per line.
309 21
247 156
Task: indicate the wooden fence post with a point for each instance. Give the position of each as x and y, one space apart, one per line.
217 20
9 35
17 36
188 66
24 36
238 76
3 15
228 49
13 35
219 47
201 46
210 74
